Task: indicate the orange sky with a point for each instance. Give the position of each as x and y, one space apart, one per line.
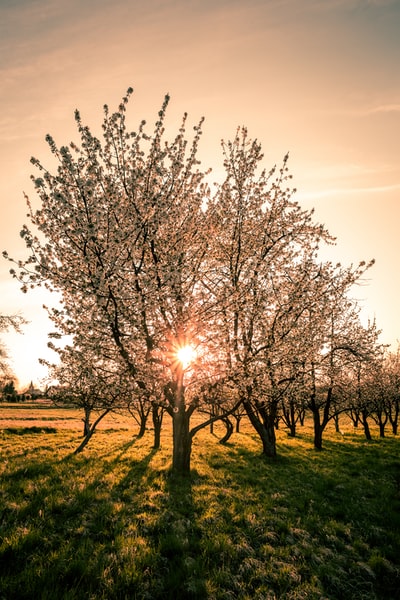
318 78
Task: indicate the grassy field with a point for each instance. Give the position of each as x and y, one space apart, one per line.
113 523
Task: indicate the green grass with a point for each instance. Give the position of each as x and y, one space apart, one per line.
114 523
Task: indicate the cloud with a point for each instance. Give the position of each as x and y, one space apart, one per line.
383 108
349 4
347 191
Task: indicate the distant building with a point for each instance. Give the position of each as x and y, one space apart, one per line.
32 393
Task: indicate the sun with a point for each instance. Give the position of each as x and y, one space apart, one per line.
186 355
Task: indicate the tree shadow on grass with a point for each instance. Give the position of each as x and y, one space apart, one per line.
179 542
318 515
162 533
87 527
65 530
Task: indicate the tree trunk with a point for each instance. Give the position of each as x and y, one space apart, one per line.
336 421
289 417
269 441
86 422
182 442
355 417
91 430
265 429
157 414
238 418
364 421
394 415
318 437
181 436
381 419
229 430
142 426
213 414
318 429
85 441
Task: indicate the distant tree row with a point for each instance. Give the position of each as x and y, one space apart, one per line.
7 378
181 298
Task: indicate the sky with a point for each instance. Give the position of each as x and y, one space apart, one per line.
319 79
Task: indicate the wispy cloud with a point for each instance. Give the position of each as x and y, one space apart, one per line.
383 108
361 111
350 4
347 191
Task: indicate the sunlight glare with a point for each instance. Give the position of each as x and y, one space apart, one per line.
186 355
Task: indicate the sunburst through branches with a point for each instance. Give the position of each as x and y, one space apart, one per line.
186 355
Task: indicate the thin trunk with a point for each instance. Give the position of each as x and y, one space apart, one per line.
395 416
142 426
85 441
289 417
294 415
140 413
86 421
213 414
381 419
157 415
355 417
336 421
91 431
364 421
318 428
229 431
238 418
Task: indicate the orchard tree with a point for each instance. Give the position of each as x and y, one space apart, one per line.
378 390
334 341
293 403
263 244
139 408
8 322
360 403
122 236
392 372
92 384
8 391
